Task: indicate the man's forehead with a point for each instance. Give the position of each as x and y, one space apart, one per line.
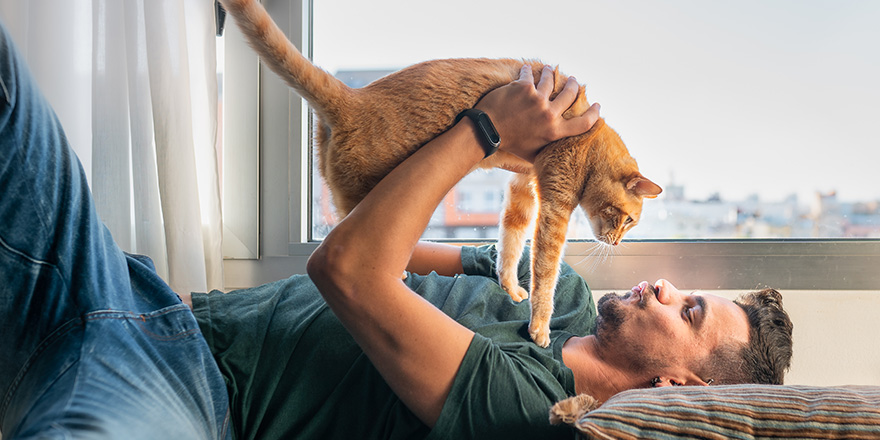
726 317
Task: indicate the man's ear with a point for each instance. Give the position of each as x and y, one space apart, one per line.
689 379
668 382
695 380
661 382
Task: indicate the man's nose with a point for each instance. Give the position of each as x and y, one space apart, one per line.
666 292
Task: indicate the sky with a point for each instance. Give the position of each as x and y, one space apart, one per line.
738 98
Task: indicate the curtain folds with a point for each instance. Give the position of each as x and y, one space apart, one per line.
134 82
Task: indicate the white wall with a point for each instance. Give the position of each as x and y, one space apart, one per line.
835 334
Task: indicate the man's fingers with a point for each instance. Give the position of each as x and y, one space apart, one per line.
567 95
583 123
545 84
525 74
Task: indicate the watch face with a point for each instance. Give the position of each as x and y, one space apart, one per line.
488 130
490 137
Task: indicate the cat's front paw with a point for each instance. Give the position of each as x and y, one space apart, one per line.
540 333
516 292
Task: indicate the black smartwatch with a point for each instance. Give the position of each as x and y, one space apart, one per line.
489 136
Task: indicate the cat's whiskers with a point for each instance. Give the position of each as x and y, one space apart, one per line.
589 254
584 258
608 251
599 252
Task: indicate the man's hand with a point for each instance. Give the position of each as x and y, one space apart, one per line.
527 119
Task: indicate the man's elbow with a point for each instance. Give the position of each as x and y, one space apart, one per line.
330 269
319 265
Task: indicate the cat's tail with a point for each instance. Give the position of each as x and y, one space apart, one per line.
317 86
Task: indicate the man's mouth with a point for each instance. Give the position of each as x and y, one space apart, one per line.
633 296
646 294
640 295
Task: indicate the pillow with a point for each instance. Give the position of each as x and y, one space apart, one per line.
734 412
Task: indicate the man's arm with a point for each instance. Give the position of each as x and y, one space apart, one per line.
357 268
427 257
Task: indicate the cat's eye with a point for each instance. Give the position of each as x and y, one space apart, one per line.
628 220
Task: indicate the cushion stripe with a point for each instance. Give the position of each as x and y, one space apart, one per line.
738 412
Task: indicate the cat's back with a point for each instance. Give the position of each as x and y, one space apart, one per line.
451 76
393 116
387 120
428 95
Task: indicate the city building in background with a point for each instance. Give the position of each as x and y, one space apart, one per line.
472 209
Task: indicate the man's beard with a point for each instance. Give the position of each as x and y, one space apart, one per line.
611 311
611 317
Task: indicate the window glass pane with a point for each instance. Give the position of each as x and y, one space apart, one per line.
759 119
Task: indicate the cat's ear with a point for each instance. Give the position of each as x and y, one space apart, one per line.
643 187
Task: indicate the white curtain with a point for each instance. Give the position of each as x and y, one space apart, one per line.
134 84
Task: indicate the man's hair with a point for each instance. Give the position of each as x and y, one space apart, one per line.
767 356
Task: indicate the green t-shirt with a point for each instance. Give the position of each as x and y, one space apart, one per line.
293 371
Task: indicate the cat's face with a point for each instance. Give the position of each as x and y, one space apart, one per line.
619 208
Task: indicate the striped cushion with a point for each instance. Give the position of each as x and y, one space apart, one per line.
737 412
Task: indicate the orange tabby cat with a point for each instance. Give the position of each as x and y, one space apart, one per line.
364 133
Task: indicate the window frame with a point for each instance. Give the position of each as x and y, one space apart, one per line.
710 264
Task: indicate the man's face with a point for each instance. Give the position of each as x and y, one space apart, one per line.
656 327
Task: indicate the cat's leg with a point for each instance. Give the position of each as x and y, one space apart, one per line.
547 247
519 212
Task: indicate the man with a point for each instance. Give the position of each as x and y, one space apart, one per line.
96 345
658 336
361 352
314 381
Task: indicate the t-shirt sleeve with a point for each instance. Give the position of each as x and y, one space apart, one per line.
500 394
480 260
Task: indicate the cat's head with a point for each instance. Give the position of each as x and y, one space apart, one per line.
611 218
615 191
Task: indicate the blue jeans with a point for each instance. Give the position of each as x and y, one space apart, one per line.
93 344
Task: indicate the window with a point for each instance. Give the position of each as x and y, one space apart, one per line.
239 116
757 119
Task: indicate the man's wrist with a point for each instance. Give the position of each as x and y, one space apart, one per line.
484 129
465 134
